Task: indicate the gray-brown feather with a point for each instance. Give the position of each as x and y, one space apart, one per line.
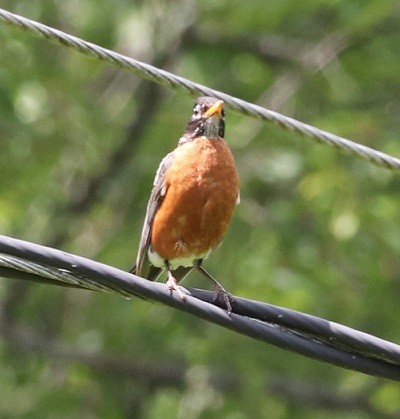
143 266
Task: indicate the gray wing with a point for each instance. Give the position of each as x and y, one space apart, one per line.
143 266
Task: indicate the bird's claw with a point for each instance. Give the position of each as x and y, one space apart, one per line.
172 285
228 298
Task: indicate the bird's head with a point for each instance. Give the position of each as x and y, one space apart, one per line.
208 120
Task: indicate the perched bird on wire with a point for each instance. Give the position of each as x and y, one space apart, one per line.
191 205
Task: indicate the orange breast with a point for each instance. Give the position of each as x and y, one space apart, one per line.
202 187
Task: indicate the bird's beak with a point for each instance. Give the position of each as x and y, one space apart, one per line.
215 109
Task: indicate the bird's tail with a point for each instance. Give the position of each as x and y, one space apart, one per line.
148 271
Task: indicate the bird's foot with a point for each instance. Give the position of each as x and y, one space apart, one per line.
219 289
228 298
173 285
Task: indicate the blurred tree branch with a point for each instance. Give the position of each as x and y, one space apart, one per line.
275 48
173 374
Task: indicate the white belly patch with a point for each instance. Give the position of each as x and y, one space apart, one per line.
159 262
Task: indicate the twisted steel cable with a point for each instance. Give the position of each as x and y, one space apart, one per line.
172 81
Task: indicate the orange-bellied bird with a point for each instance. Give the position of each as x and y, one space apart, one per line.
191 205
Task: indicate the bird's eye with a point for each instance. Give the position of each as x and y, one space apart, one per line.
196 112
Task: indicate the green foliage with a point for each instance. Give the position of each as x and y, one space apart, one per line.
317 230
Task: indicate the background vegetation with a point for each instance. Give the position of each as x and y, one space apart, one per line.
316 231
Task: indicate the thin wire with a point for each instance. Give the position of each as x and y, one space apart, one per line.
170 80
287 329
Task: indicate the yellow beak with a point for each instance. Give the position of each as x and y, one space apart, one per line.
215 109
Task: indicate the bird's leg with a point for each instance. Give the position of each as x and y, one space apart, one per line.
172 283
219 289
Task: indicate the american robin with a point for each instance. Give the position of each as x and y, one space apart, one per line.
191 205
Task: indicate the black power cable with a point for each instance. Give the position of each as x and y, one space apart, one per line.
302 333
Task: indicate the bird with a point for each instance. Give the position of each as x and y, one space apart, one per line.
195 191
